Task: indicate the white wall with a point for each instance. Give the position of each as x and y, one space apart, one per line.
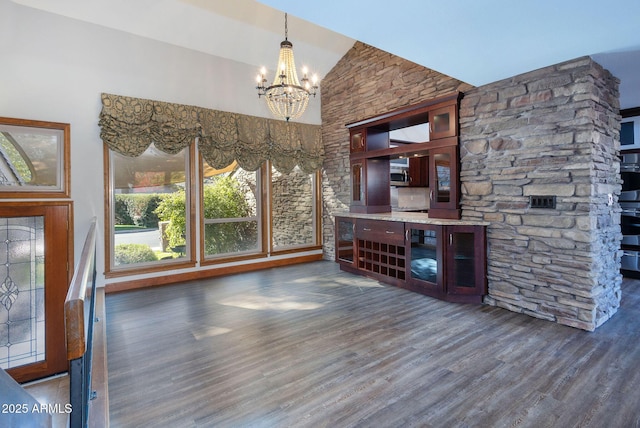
54 68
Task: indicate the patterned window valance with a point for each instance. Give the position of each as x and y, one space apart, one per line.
129 125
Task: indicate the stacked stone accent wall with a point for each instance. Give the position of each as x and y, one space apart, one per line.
364 83
553 131
550 132
292 208
292 201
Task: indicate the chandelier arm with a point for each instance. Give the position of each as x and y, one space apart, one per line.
302 88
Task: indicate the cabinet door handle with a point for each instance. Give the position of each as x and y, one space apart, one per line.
366 229
431 195
451 239
389 232
406 235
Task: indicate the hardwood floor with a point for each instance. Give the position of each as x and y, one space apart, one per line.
54 391
309 345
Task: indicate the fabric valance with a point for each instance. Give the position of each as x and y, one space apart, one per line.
129 125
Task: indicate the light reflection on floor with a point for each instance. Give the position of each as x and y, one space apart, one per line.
361 282
259 302
208 331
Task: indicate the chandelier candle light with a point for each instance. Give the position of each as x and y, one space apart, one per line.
287 97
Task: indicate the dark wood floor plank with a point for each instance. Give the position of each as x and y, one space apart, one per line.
309 345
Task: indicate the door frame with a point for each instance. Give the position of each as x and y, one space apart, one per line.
58 231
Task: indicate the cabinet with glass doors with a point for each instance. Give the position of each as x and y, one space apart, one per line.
424 247
445 261
345 240
465 261
444 185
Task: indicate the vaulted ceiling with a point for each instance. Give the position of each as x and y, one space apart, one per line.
477 42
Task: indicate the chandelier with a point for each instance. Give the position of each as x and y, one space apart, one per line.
287 97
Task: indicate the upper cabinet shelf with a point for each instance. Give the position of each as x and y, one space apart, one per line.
411 115
372 137
443 122
429 130
369 139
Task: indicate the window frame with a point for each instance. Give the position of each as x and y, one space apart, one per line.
195 255
112 271
205 260
63 162
317 217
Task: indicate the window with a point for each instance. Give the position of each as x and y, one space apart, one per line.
149 212
293 209
231 207
243 214
34 159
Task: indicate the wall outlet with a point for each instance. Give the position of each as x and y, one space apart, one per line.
542 202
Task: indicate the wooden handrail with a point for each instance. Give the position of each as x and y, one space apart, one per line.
86 342
75 316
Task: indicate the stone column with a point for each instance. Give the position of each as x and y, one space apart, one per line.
550 132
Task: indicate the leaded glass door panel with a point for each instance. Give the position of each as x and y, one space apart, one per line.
34 277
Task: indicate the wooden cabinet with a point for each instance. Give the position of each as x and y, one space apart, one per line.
442 261
390 232
424 246
419 171
447 262
357 141
465 262
443 122
345 240
368 178
367 139
443 180
381 249
357 183
433 160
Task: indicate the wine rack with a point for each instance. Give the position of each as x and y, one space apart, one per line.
383 259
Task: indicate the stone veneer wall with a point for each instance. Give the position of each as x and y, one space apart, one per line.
364 83
292 201
292 208
553 131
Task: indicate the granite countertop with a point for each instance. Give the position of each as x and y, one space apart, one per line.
411 217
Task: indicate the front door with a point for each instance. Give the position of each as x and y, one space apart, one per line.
35 271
